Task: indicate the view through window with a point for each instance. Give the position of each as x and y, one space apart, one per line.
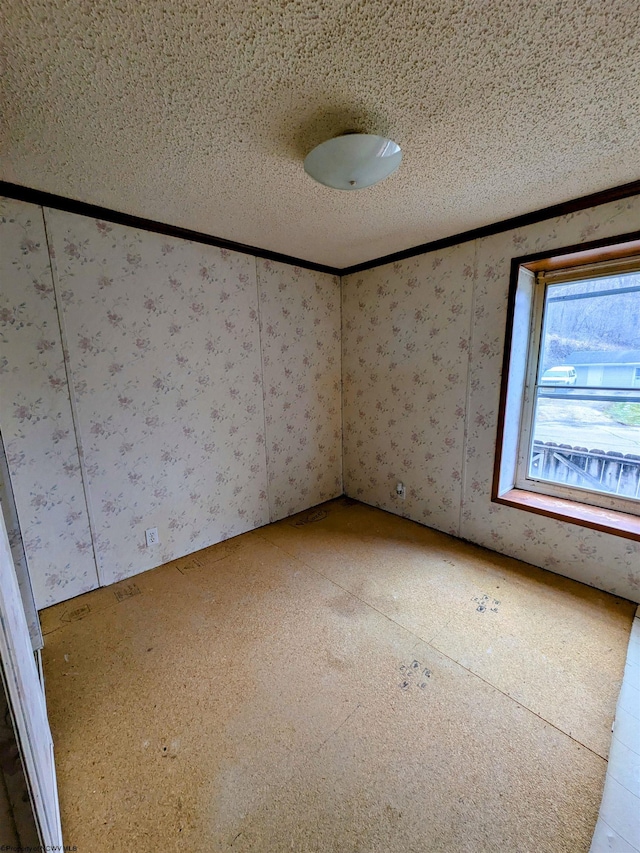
583 429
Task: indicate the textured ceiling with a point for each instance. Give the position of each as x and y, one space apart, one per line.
200 114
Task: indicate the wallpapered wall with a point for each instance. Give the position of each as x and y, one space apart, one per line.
35 415
167 391
422 357
300 314
201 394
405 355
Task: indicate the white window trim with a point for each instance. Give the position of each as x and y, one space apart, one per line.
514 471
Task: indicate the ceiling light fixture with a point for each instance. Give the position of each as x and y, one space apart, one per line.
353 161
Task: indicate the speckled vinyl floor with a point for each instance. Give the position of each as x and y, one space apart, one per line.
343 680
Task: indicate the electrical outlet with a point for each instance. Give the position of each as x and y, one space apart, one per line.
152 536
401 491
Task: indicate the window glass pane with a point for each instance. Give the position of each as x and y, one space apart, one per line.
587 444
586 426
591 333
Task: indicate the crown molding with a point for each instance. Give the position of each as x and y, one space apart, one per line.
552 212
94 211
82 208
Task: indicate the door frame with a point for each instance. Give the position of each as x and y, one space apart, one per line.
25 694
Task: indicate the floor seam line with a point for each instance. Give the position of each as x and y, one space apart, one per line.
524 707
444 654
630 748
335 732
622 785
619 834
349 592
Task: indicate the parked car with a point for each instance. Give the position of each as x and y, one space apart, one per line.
562 375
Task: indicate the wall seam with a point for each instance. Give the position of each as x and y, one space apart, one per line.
264 392
342 443
467 402
72 400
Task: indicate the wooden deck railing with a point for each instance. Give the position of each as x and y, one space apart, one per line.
607 471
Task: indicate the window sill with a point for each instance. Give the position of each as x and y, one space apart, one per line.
607 520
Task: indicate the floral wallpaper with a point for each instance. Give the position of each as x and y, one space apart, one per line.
164 359
35 417
599 559
405 362
300 323
170 394
206 395
389 410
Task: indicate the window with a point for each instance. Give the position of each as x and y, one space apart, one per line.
569 443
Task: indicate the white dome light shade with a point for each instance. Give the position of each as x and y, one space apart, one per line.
353 161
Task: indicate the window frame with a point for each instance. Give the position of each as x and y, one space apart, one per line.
526 303
523 479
